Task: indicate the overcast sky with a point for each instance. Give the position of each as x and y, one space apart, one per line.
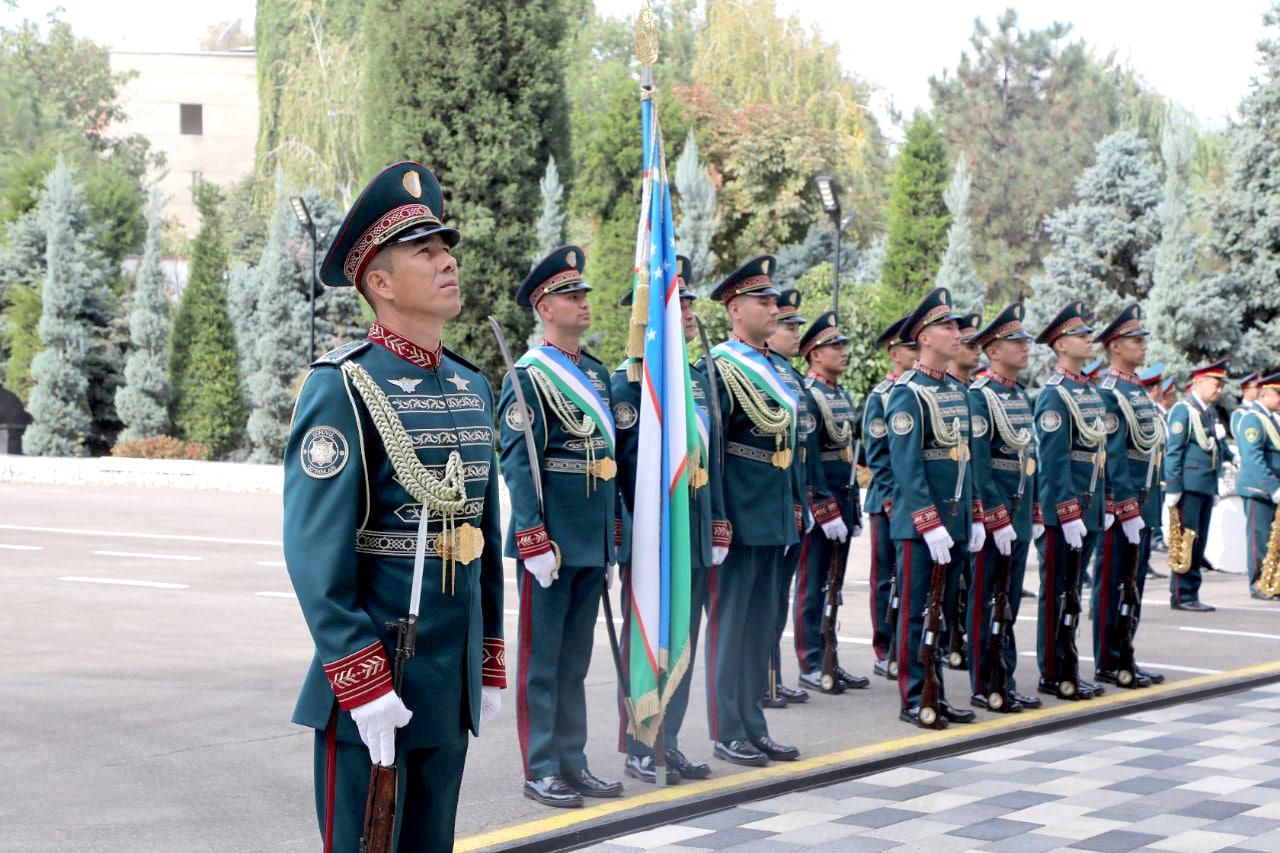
1201 54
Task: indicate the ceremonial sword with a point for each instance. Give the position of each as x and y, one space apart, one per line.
526 422
962 455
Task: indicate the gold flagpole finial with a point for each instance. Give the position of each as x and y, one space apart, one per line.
646 43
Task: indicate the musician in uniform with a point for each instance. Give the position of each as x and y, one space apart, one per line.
1191 470
1004 447
562 527
391 452
1259 480
1070 426
932 522
1152 379
764 507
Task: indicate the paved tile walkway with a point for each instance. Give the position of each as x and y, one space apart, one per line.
1195 777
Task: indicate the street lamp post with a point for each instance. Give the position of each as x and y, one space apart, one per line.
829 193
304 219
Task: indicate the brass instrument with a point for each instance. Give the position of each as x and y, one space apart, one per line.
1180 542
1269 577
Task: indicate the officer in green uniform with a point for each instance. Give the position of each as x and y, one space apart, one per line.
1070 427
1004 461
708 538
1152 378
1259 480
391 450
880 497
561 531
928 418
1135 439
1248 394
824 348
962 369
763 504
1191 470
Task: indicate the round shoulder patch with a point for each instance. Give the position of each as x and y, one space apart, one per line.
1112 422
515 417
979 426
903 423
1050 421
323 452
878 428
1177 428
624 415
1252 434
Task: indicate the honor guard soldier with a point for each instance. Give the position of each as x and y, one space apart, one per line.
932 521
1135 440
706 549
1070 427
1004 459
390 509
1152 379
1093 370
763 503
1248 394
557 452
880 497
962 368
1191 470
1259 480
823 347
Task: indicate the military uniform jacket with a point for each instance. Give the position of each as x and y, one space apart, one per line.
875 448
1259 440
1002 464
580 507
1194 458
808 457
928 418
1133 422
707 523
1066 456
350 531
835 415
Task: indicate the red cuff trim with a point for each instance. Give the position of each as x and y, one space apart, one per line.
617 533
799 514
360 677
978 515
721 533
1111 504
493 663
888 506
1037 517
532 542
1126 510
926 519
1069 511
826 510
997 517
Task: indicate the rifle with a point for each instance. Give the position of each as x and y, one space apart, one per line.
832 599
930 697
891 620
1127 623
995 671
1065 634
955 626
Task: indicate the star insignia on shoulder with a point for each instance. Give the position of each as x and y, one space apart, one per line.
459 383
591 372
406 385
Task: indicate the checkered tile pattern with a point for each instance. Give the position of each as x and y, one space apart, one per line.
1194 777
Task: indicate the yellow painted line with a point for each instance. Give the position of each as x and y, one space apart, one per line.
688 790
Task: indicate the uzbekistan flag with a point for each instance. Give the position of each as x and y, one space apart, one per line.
668 435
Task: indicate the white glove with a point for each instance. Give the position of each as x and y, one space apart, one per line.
718 553
610 572
808 520
542 567
977 537
377 722
1037 530
1004 537
1171 499
857 528
1275 499
1108 519
490 703
939 542
1074 532
1220 431
835 529
1132 528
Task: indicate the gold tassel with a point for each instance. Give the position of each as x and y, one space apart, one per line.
639 319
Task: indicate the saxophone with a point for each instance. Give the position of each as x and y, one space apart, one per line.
1269 577
1181 540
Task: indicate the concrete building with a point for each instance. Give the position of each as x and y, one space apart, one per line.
199 109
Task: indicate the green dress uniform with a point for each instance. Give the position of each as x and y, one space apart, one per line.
1004 461
1259 480
1246 382
1191 468
576 468
928 418
958 608
1070 427
378 424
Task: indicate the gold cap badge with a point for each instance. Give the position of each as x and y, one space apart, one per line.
412 183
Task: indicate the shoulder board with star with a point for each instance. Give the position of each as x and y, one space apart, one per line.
906 377
1055 379
1109 383
980 382
341 353
464 362
883 387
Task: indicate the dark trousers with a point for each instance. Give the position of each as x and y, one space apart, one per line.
427 804
1196 512
557 629
915 576
1054 554
1259 514
1113 564
987 579
742 601
884 559
798 564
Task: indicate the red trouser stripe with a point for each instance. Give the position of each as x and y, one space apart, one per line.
330 778
1050 594
797 612
526 641
713 644
878 631
977 629
904 623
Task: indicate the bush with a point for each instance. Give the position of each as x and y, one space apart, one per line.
161 447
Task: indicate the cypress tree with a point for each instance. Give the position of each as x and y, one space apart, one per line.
550 227
699 220
956 272
917 213
143 402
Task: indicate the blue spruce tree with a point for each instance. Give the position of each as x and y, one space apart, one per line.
143 402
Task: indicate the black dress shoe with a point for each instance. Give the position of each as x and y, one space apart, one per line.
793 696
767 701
1254 592
1007 704
912 715
1069 690
851 681
1026 593
552 791
954 714
1135 679
688 769
1152 676
645 768
880 668
1026 701
1193 606
775 750
1090 689
589 786
741 752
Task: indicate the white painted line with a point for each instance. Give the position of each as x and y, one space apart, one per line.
168 536
271 563
132 554
21 547
277 595
118 581
1261 608
1172 667
1228 633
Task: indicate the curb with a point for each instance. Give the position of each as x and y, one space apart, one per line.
183 474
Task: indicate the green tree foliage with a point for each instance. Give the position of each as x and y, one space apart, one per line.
143 402
699 218
204 369
918 219
956 273
476 92
22 261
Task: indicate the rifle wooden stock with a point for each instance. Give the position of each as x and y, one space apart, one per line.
955 628
930 696
995 671
380 811
832 599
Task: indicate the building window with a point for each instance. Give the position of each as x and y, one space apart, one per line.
192 119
